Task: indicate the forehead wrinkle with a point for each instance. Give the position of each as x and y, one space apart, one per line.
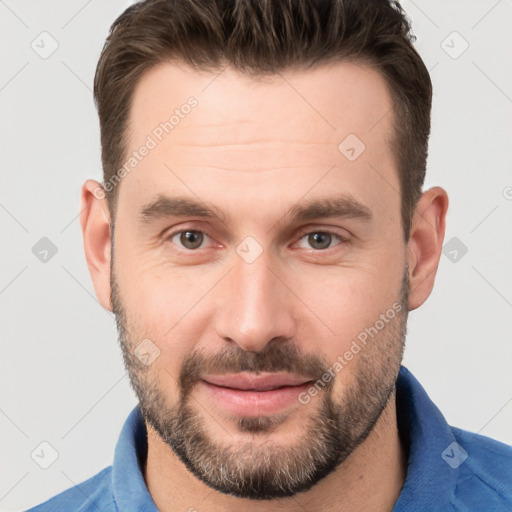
255 156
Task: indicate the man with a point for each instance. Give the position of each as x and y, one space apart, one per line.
261 235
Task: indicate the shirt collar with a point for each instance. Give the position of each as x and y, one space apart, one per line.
423 430
128 485
426 435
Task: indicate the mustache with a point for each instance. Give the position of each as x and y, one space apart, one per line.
276 357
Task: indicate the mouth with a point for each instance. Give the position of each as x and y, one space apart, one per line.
254 395
252 382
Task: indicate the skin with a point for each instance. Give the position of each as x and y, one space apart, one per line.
255 148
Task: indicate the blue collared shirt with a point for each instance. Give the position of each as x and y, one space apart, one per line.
449 469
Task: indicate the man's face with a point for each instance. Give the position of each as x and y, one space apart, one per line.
274 283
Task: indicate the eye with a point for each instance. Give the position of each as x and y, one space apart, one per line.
320 240
189 239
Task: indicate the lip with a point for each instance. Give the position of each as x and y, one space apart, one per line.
254 395
252 382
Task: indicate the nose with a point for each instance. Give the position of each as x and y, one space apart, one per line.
255 306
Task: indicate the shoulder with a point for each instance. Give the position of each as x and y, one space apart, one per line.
91 495
485 471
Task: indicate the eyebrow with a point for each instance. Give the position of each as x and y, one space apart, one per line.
343 207
165 206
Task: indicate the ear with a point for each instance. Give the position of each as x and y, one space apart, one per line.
425 244
95 221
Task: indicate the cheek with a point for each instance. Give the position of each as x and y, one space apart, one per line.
160 304
348 301
158 309
170 306
153 296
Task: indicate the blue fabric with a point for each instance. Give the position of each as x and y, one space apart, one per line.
449 469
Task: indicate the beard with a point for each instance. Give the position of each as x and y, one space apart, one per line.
329 431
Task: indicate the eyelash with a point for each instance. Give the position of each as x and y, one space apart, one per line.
301 235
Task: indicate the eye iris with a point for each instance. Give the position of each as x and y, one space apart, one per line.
320 239
191 239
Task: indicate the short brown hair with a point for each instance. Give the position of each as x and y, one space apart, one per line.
260 37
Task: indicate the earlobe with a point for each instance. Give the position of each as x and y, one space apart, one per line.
425 244
95 222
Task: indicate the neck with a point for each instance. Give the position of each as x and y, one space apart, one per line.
369 479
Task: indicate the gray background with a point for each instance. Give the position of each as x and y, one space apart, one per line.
62 378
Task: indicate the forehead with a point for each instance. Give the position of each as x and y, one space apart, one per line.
222 132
